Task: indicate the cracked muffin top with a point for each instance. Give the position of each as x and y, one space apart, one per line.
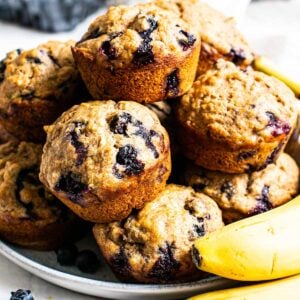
242 195
101 144
140 35
153 244
237 107
22 195
43 73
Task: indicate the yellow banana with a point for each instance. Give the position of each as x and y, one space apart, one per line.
287 288
265 65
262 247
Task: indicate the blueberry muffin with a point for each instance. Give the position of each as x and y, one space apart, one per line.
235 121
220 37
103 159
140 53
244 195
153 245
29 215
36 86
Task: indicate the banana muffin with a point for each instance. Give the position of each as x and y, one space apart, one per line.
153 245
244 195
36 86
29 215
140 53
235 121
103 159
220 37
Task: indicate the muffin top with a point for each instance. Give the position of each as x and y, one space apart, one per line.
221 33
102 144
238 108
240 195
46 72
187 10
217 30
22 195
137 35
156 240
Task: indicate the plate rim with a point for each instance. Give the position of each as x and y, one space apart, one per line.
21 260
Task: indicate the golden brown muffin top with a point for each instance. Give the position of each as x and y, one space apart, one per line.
22 195
45 72
237 107
141 35
248 194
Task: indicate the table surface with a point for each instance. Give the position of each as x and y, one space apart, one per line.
272 28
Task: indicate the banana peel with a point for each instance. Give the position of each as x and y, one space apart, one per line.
287 288
262 247
263 64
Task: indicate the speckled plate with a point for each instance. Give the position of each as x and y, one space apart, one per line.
103 283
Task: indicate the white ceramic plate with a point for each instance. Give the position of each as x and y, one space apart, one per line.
103 283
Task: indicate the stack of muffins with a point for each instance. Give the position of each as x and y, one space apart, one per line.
168 78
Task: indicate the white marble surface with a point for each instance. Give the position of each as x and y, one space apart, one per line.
272 27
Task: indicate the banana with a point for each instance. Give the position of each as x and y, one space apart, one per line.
262 247
287 288
265 65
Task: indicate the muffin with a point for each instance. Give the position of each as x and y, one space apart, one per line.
220 38
29 215
243 195
153 245
103 159
36 86
235 121
140 53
